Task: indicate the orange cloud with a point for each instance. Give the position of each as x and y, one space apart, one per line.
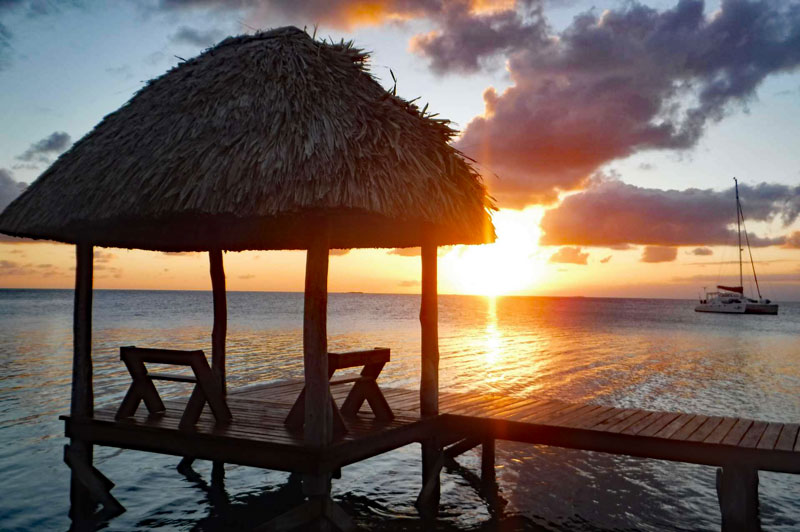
570 256
659 254
793 241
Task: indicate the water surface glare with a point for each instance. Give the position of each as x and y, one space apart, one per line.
654 354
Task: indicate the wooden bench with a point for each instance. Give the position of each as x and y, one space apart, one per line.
206 387
365 388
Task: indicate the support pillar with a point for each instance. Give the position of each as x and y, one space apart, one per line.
82 398
318 421
88 486
319 512
488 478
218 335
220 330
432 459
737 490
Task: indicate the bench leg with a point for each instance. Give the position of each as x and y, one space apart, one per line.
737 490
339 427
370 392
194 408
296 416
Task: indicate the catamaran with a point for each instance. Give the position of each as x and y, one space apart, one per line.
731 299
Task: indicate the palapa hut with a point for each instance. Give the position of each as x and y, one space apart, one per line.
264 142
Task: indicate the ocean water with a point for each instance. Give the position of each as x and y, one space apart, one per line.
655 354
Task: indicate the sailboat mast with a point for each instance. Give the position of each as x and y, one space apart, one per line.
747 241
739 228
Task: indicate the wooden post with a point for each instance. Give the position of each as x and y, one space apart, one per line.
429 323
737 490
488 479
318 420
220 329
429 380
82 400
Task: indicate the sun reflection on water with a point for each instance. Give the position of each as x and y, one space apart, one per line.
493 339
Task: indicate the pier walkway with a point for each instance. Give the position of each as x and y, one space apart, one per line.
258 436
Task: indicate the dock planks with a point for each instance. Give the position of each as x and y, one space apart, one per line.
258 436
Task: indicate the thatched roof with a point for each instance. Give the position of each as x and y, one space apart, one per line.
255 144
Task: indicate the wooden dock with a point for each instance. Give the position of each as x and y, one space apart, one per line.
259 437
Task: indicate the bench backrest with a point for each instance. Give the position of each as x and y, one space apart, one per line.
353 359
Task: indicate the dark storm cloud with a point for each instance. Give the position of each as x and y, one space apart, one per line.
612 213
195 37
9 188
41 151
465 38
570 256
659 254
615 83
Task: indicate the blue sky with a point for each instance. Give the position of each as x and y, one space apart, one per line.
71 66
65 65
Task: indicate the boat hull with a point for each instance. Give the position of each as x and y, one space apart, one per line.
768 309
761 308
738 308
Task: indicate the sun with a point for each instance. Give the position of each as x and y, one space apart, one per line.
509 266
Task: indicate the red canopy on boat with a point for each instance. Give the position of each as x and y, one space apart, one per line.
737 289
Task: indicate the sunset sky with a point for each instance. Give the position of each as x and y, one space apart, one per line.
608 132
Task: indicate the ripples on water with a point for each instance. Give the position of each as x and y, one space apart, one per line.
653 354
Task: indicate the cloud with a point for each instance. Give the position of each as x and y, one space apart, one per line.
724 262
612 213
466 38
792 241
247 276
659 254
702 251
409 284
10 268
31 9
338 252
198 38
605 260
787 278
611 84
406 252
570 256
337 13
123 71
103 271
103 256
5 47
9 188
41 150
